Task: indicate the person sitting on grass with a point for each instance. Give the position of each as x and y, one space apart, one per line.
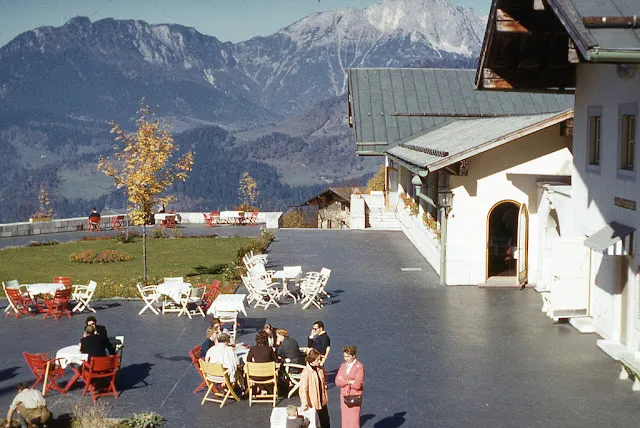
294 420
31 407
222 353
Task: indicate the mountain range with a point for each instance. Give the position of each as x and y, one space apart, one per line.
60 85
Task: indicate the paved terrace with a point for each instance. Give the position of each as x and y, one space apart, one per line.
442 357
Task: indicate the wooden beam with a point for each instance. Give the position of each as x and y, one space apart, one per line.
611 21
505 23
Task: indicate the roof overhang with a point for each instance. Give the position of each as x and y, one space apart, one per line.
614 239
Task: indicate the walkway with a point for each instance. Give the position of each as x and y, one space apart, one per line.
441 357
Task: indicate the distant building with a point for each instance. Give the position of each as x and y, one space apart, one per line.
334 206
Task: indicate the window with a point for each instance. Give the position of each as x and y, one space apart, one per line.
594 139
627 140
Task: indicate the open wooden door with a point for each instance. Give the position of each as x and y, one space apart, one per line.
523 245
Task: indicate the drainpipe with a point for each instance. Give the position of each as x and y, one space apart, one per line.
619 56
417 182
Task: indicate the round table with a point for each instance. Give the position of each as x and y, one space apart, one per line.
71 355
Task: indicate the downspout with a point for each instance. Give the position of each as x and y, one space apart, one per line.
619 56
417 182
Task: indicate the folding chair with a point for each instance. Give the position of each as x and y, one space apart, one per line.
63 280
97 369
150 296
294 378
59 305
215 374
193 297
94 224
252 217
20 304
208 220
11 284
195 357
265 292
262 374
38 365
117 222
119 345
83 295
228 317
212 291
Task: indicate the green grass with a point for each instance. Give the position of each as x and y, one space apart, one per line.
196 259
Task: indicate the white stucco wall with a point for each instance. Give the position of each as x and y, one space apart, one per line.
509 172
594 189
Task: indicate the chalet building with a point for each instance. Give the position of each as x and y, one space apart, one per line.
592 49
333 206
465 168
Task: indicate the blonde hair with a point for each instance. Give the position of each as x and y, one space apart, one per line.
292 410
282 332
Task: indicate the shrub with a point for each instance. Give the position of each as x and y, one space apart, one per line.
176 233
229 272
96 238
295 219
432 224
144 420
91 415
107 256
43 243
376 183
126 238
159 233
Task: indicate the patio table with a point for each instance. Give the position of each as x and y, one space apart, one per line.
228 302
173 289
44 288
279 417
233 217
288 273
68 356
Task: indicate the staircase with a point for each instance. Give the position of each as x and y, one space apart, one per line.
382 218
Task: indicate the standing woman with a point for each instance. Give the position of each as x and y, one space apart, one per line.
350 380
313 388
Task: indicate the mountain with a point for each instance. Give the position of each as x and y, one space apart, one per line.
283 93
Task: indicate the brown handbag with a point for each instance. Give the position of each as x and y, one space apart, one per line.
353 400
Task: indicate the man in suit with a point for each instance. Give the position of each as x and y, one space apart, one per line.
93 344
100 331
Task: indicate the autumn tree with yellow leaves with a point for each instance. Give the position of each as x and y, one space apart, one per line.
144 168
248 192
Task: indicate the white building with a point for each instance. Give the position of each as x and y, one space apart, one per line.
497 154
595 53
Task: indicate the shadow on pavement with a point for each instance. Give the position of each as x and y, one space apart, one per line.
173 358
6 374
391 421
133 375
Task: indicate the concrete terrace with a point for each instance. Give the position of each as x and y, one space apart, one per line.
434 356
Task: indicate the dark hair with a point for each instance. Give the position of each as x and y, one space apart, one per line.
90 318
313 355
351 350
268 325
21 386
319 324
262 338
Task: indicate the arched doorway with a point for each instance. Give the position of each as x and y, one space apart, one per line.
502 239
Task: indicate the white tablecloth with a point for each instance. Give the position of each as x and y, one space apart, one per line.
279 417
241 351
173 289
288 272
71 355
44 288
228 302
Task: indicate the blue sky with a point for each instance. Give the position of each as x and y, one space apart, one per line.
228 20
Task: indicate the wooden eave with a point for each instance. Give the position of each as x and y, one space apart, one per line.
526 48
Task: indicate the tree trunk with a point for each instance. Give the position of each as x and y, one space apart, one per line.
144 253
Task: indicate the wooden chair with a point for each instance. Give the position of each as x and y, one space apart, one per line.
293 377
262 374
194 299
149 294
212 291
59 305
13 283
228 317
117 222
94 224
63 280
83 295
169 221
195 357
38 365
97 369
209 220
216 375
21 304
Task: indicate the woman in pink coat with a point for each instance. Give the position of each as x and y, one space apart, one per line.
350 379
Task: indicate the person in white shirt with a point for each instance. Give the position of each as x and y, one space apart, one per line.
222 353
31 407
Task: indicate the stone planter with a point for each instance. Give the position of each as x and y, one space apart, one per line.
39 219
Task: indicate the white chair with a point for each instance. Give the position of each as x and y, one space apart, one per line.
227 317
311 289
325 274
294 378
83 295
263 291
150 296
174 280
193 297
119 348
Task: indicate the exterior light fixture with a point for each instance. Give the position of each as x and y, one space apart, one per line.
445 200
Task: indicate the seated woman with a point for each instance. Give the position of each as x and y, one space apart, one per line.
261 353
288 349
212 337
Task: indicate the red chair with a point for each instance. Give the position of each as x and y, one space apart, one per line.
97 369
22 303
195 357
252 217
117 222
62 280
59 305
169 221
94 224
210 295
208 220
38 365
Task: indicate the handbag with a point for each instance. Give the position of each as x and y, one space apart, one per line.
353 400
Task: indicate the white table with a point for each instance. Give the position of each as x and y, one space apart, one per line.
232 217
228 302
44 288
173 289
288 273
241 351
71 355
279 417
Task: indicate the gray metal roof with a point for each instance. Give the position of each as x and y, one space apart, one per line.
453 142
608 236
571 12
378 93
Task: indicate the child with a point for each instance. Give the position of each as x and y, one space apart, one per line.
295 421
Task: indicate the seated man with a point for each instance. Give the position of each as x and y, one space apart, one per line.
319 340
222 353
288 348
94 219
100 331
31 407
93 344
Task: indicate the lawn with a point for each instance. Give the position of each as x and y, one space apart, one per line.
197 259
